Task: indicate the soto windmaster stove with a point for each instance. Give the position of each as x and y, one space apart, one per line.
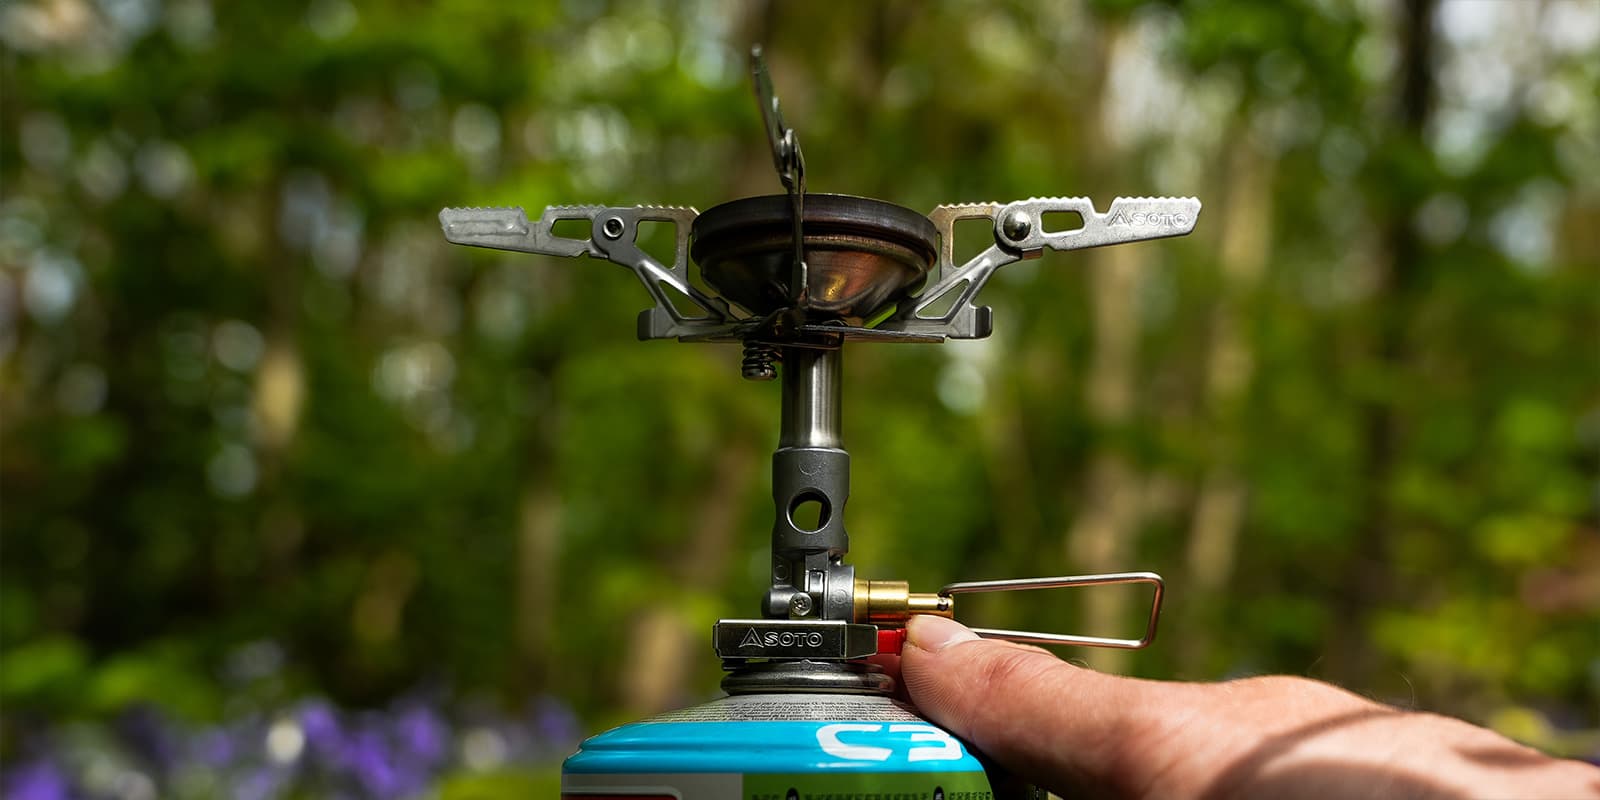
794 278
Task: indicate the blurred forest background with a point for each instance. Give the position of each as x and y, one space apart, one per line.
301 501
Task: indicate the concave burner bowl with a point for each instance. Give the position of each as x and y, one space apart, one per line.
862 255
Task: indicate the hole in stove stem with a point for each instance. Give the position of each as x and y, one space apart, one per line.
808 512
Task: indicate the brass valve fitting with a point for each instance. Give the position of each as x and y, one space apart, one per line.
891 603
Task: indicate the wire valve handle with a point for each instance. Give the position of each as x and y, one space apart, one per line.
1064 582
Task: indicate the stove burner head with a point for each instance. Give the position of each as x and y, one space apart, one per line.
862 255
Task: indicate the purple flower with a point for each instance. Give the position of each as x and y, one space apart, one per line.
377 755
260 784
555 724
147 732
373 765
325 737
215 747
422 734
39 780
411 780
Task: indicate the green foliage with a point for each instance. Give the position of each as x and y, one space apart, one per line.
249 394
504 784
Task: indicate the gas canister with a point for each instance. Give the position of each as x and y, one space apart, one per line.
779 746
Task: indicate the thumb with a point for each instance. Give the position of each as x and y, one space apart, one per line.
1052 723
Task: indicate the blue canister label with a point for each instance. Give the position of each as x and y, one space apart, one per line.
778 747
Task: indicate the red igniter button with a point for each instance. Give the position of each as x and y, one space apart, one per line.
891 639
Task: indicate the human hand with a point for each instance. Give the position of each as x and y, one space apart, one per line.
1074 731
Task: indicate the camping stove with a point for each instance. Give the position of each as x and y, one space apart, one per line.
794 277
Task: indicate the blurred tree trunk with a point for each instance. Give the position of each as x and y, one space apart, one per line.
1007 454
1366 581
537 594
1219 509
668 638
538 579
1102 535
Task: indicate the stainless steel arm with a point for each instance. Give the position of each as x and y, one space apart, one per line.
614 233
1019 233
508 228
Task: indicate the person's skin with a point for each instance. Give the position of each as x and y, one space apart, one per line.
1076 732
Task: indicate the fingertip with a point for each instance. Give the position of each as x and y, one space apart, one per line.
960 686
931 633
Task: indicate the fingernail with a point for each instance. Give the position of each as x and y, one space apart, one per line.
933 634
